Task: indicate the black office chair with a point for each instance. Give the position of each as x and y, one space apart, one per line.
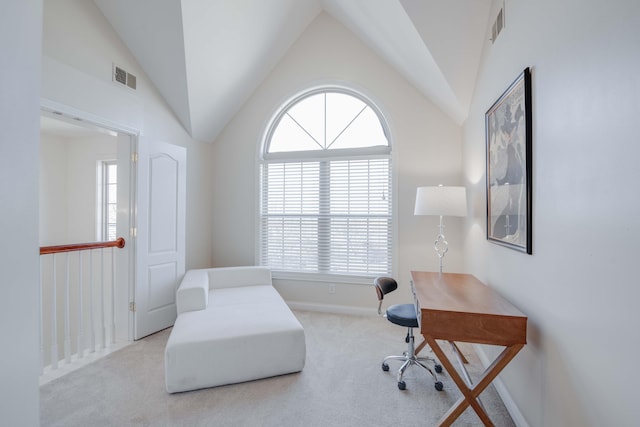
403 315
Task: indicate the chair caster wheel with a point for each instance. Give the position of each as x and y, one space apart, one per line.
439 386
402 385
438 368
385 367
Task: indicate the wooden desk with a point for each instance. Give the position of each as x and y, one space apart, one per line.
458 307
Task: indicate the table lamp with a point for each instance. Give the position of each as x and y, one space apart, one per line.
441 201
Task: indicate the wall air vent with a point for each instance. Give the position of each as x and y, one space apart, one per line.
498 24
121 76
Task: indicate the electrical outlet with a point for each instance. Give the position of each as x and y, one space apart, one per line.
332 288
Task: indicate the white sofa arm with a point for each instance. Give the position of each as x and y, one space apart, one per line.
228 277
193 292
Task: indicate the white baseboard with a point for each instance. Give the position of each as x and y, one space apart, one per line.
504 394
330 308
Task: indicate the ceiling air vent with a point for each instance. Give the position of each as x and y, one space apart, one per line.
120 75
498 25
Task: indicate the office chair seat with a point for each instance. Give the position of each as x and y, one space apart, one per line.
403 315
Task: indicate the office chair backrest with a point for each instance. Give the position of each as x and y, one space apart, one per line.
384 285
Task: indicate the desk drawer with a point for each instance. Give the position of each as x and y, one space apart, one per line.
474 327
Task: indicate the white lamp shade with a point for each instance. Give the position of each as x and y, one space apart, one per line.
440 200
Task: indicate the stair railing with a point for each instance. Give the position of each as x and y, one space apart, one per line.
73 320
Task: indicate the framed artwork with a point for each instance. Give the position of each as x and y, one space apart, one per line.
508 134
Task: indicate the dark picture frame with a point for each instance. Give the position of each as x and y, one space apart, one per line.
508 139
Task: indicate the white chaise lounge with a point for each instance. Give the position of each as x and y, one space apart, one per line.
232 326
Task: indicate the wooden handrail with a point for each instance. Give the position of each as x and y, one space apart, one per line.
118 243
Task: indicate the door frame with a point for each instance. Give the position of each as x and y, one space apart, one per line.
82 118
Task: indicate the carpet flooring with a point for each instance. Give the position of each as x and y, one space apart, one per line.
342 384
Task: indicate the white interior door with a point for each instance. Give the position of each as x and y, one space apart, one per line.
160 246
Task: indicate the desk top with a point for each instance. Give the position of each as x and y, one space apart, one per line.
459 307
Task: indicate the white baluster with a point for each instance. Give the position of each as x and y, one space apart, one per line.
67 333
102 322
54 314
91 322
113 296
80 349
41 323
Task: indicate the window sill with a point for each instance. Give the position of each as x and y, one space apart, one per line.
324 278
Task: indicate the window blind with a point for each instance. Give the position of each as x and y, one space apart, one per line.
327 216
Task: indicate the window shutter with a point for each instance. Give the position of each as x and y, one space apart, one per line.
289 216
360 217
330 216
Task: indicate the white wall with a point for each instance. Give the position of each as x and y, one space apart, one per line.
580 287
21 21
79 48
426 151
53 190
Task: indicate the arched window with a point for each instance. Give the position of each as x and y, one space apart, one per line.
325 187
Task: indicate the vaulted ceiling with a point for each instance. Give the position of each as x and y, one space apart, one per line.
207 57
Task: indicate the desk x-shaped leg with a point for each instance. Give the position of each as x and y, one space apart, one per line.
470 393
454 345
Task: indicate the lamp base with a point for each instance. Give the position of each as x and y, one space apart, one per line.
441 245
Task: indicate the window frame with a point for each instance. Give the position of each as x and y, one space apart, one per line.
284 108
103 201
332 154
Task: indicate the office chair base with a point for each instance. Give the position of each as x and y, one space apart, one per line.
412 360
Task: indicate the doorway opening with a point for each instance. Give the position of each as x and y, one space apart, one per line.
87 195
